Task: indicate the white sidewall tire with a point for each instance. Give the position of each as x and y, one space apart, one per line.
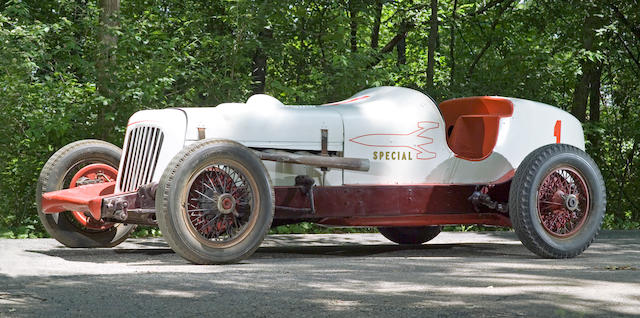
171 214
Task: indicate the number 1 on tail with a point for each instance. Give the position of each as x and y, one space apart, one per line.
557 129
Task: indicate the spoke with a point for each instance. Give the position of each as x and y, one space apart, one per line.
213 219
220 183
212 189
227 230
205 190
198 210
549 202
208 175
204 195
557 219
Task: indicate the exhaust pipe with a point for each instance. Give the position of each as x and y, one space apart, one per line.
316 161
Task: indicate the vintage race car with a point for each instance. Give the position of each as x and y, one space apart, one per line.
216 179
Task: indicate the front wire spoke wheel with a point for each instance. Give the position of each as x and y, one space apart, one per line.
219 211
215 202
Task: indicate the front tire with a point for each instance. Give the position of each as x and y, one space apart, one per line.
60 172
410 235
214 202
557 201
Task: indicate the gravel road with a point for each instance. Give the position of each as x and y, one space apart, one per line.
486 274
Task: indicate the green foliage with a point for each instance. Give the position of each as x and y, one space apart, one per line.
473 228
186 53
146 231
311 228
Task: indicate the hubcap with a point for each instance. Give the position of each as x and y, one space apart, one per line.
563 202
571 202
226 203
91 174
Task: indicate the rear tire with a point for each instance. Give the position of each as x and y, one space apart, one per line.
557 201
57 174
214 202
410 235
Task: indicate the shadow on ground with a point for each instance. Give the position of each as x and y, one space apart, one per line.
320 276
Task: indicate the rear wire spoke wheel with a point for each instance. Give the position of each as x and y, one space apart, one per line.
76 164
563 202
215 203
557 201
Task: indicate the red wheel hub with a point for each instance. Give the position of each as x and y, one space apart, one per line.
563 202
93 173
227 203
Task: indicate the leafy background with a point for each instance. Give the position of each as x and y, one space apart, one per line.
65 74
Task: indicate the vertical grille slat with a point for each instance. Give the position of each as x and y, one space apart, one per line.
156 154
143 147
149 158
137 156
125 162
157 142
132 151
143 155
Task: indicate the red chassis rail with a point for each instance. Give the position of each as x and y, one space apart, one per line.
351 205
391 205
87 199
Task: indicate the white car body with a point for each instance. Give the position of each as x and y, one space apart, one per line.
401 131
387 157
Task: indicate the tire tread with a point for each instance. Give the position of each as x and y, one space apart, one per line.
521 187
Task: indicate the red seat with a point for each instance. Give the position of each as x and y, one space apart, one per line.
472 124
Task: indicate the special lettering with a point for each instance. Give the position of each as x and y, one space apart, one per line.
415 142
392 155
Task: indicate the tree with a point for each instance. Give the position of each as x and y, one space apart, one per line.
588 83
73 70
108 41
259 68
433 41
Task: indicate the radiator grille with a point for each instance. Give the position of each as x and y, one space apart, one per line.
140 157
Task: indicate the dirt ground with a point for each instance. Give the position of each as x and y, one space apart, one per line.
486 274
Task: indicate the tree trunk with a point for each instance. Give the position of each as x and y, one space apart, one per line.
580 94
452 43
401 47
634 27
259 67
594 106
581 91
108 41
594 94
401 35
353 25
433 41
487 45
375 30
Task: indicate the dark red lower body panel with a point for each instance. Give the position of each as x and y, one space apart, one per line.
391 205
496 219
351 205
